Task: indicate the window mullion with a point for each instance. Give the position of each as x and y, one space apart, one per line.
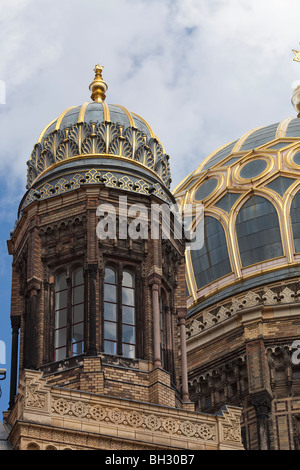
119 311
69 316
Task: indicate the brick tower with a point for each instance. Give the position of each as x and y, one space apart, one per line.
98 300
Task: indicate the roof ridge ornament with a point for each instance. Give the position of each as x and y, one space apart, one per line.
296 93
98 87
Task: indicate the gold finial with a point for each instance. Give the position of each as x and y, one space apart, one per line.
98 87
296 93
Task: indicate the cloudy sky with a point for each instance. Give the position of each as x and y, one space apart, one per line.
201 72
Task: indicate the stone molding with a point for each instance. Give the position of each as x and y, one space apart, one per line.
39 403
271 296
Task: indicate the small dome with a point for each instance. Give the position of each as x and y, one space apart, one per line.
98 129
250 192
97 142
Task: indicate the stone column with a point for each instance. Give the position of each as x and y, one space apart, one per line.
155 283
184 372
262 405
31 326
15 324
259 388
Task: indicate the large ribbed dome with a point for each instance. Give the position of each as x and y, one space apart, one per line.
97 142
250 190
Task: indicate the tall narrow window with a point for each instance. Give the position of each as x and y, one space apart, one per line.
69 315
60 334
77 311
128 314
110 311
119 313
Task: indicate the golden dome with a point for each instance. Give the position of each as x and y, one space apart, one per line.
250 192
98 134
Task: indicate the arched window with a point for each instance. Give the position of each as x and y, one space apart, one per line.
119 312
69 315
258 232
211 261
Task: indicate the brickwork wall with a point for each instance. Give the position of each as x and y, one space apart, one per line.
116 381
262 338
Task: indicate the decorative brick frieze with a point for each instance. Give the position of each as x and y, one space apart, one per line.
87 421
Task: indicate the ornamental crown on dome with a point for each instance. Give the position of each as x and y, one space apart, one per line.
98 87
100 133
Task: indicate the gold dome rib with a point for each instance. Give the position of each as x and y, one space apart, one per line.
59 120
106 112
282 127
44 131
146 124
202 164
131 121
82 111
240 142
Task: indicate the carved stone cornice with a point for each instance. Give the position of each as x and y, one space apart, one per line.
155 279
33 286
182 314
262 403
274 296
103 416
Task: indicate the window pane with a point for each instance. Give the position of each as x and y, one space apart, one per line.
77 277
110 276
128 315
60 282
78 294
60 300
110 311
77 348
78 313
127 296
60 354
128 334
128 279
128 350
61 318
110 293
211 261
110 330
110 347
258 231
77 334
60 337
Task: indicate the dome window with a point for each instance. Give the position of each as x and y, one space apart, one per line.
206 189
258 232
211 262
296 158
253 169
